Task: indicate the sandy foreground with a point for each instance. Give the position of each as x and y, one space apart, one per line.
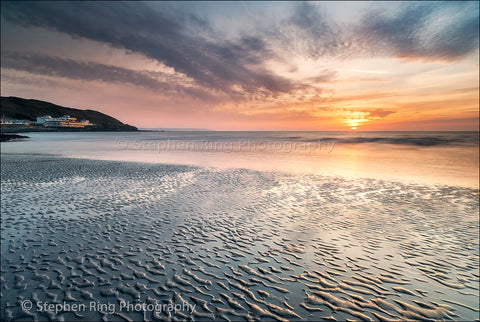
115 241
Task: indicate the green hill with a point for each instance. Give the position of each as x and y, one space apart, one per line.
29 109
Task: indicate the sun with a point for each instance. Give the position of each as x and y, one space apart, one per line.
353 121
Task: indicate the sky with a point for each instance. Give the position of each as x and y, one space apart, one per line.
245 65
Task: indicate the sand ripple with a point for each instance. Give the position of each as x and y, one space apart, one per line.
237 244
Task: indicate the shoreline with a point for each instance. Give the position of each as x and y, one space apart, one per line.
216 168
303 153
60 130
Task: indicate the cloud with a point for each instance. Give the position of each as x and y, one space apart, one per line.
28 79
162 36
324 76
362 97
365 114
88 71
184 41
56 66
377 113
427 30
311 33
158 82
234 68
430 30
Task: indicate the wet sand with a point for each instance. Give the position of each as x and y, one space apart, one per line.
234 244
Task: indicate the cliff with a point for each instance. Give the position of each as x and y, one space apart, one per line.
29 109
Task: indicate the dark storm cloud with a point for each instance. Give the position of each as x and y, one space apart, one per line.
159 35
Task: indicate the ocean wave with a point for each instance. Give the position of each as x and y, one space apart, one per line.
418 141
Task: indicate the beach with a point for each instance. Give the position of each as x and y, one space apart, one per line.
90 239
240 161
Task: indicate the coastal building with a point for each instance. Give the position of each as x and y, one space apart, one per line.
64 121
6 121
48 121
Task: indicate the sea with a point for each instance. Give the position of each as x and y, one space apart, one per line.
444 158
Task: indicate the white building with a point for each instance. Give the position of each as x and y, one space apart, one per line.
48 118
64 121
